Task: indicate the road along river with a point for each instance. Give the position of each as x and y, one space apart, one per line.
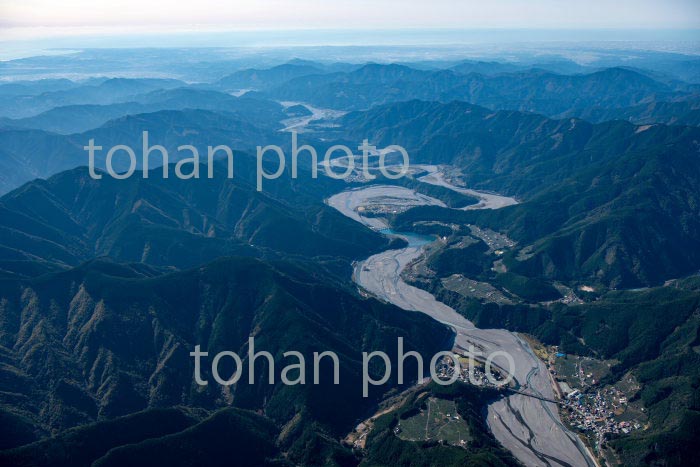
527 426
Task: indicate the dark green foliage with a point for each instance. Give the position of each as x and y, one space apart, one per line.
91 345
229 437
71 218
84 445
609 203
386 449
530 289
530 90
469 261
654 333
127 343
15 430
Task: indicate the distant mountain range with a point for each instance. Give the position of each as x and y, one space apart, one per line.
533 90
611 93
29 153
107 285
106 92
255 79
77 118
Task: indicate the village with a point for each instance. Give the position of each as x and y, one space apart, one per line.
595 408
471 371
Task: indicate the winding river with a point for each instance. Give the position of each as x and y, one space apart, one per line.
527 426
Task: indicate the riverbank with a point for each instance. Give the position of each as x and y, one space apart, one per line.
529 427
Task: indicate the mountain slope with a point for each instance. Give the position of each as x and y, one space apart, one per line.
82 446
651 335
71 218
83 117
105 92
105 340
30 154
612 203
532 90
260 79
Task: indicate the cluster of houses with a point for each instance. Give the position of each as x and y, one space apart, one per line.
596 412
445 371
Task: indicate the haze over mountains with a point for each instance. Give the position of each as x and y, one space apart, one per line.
107 285
533 90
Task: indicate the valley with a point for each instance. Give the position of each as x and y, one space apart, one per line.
300 123
529 427
436 176
549 220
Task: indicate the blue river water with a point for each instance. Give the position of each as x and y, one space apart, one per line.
413 239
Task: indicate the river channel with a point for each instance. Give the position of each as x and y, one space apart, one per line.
528 426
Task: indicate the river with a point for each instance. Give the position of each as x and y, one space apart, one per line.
299 124
527 426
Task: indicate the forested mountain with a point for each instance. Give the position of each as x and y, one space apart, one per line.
105 92
71 218
30 153
107 285
613 202
79 118
104 340
539 91
650 335
255 79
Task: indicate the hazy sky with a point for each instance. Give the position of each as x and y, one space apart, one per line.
35 18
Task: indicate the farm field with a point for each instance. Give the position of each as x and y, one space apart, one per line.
437 421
